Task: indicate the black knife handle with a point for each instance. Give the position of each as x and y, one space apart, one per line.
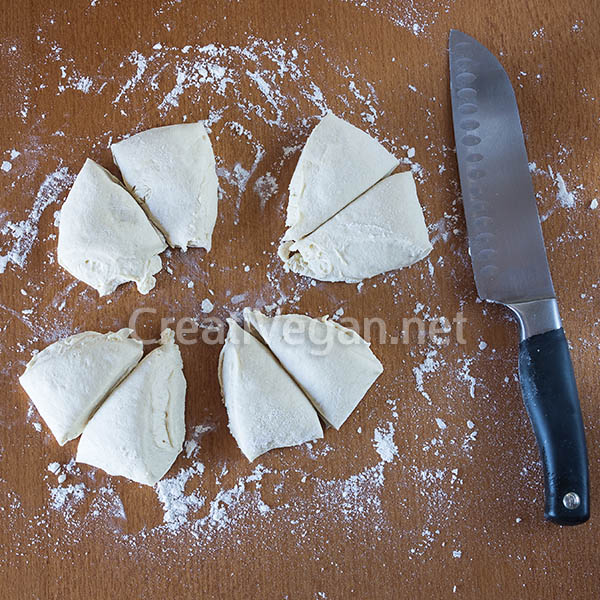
550 396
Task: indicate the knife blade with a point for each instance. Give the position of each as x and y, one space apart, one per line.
510 265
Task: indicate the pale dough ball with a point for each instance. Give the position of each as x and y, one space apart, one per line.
68 379
338 163
139 430
332 364
171 171
266 408
380 231
104 237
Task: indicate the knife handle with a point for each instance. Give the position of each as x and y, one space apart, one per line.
551 399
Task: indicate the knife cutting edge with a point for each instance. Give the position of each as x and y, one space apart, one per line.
510 266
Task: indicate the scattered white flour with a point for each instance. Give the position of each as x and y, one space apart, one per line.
265 187
383 441
566 198
416 17
465 375
229 503
107 503
206 306
6 166
594 204
358 495
24 233
454 478
191 445
440 423
83 84
176 504
429 365
238 298
65 498
141 64
338 314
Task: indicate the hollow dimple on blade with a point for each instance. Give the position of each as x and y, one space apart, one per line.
505 237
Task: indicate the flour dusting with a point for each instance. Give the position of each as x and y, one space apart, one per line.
384 443
176 504
20 236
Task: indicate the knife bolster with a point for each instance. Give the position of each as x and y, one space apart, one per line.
536 316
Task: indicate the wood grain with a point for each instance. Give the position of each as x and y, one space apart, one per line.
395 540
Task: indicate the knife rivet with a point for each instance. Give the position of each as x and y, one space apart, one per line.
571 501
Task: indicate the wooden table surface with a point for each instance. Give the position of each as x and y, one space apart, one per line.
433 487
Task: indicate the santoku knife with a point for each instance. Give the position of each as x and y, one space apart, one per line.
510 266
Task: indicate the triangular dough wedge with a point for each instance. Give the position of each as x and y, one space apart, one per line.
139 430
266 408
338 163
104 237
171 171
332 364
380 231
68 379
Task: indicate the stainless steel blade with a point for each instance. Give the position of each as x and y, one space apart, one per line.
505 237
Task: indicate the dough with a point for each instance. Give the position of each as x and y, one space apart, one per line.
139 430
338 163
68 379
104 237
266 408
171 172
380 231
332 364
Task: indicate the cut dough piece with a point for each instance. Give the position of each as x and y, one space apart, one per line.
104 237
139 430
265 406
171 171
380 231
68 379
338 163
332 364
